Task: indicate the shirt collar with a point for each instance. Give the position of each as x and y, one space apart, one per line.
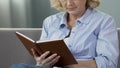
63 21
84 19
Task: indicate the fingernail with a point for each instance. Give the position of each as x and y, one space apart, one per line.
58 56
47 51
31 49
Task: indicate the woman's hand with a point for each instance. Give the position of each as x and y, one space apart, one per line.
42 60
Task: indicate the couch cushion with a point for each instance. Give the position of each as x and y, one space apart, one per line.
11 49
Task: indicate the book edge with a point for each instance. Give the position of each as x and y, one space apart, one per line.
24 36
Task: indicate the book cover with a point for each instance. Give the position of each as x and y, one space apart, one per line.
54 46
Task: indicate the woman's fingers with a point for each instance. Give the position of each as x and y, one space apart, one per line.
40 59
35 54
44 55
48 59
45 59
53 61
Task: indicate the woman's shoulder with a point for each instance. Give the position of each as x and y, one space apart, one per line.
56 16
102 17
53 20
101 14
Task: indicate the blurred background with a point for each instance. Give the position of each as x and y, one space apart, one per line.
31 13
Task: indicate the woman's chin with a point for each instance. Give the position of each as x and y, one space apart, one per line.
72 12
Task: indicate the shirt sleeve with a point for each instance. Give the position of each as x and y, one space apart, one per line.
107 45
44 33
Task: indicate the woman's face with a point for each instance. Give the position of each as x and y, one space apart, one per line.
74 6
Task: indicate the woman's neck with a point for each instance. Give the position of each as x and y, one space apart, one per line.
76 16
71 18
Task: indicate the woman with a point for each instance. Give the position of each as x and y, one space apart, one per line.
90 34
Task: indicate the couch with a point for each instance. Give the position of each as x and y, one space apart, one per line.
11 49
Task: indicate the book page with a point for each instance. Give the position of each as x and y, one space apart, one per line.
25 36
40 41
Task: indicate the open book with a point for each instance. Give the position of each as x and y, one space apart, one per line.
54 46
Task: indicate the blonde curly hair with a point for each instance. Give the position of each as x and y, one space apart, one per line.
90 4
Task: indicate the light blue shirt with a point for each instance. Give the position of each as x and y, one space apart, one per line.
93 37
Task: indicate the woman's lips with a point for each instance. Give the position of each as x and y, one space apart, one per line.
70 9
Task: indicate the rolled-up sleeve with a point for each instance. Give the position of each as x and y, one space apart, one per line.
107 49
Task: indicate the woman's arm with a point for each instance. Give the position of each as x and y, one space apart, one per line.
107 49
